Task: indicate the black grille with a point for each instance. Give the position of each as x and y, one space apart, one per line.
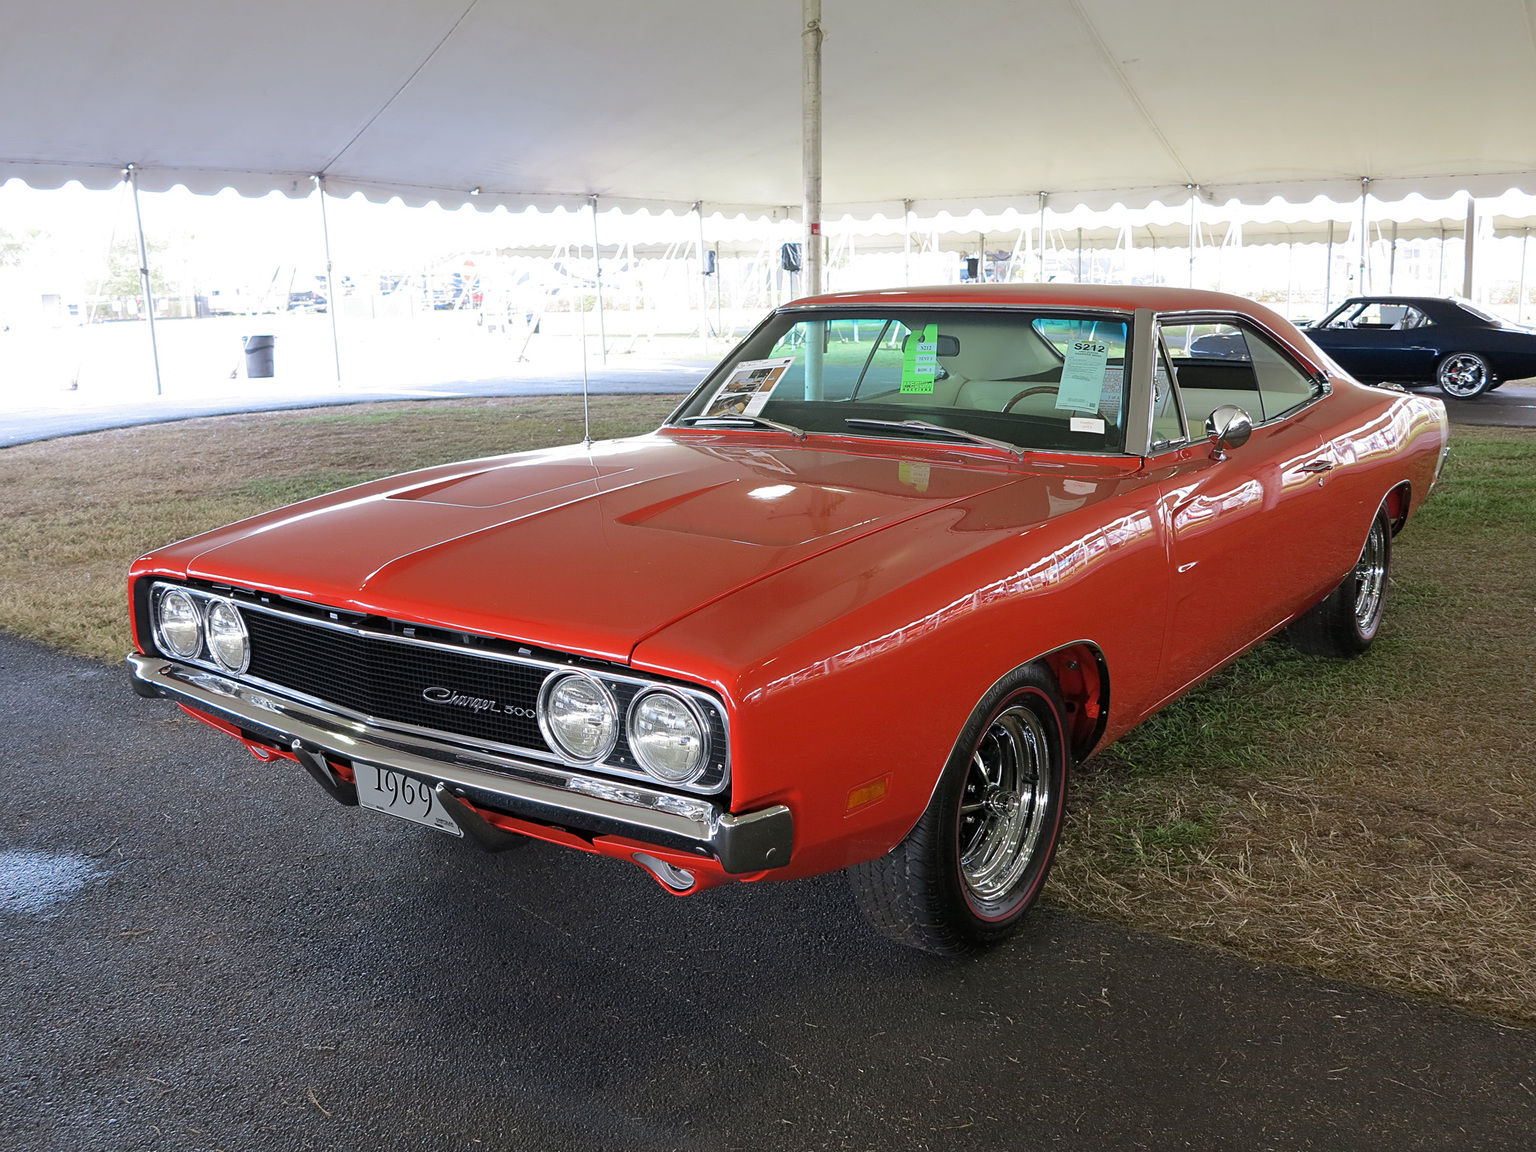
385 679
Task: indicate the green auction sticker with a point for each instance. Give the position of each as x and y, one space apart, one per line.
920 361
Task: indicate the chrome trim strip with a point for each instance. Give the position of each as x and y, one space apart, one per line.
750 842
1138 401
697 694
959 305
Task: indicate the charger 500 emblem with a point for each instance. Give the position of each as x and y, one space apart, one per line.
475 704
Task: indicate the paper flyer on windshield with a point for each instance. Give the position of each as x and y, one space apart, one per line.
748 387
1082 376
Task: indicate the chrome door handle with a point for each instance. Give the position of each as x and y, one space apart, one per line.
1318 466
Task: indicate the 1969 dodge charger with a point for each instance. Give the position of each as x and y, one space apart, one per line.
862 601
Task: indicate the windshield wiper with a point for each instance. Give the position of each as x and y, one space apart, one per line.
923 428
729 418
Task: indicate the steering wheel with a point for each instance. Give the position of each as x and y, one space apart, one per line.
1035 391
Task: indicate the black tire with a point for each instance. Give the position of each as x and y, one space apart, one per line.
954 885
1345 622
1464 376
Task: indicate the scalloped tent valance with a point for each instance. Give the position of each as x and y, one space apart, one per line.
971 104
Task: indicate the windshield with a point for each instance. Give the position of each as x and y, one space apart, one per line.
1033 379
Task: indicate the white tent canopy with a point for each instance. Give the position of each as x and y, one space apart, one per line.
968 104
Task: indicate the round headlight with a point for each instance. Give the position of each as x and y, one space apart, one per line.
227 639
578 717
179 624
667 736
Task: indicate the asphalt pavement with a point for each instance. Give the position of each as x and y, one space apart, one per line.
1510 405
200 951
26 425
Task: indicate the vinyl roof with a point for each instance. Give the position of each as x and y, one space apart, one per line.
967 104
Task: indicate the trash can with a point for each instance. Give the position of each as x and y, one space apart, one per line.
258 356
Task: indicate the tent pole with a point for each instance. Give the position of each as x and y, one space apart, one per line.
597 265
1043 196
586 414
1365 247
704 329
1440 272
1468 244
1194 227
132 172
330 287
906 243
1328 273
1525 243
810 143
1392 261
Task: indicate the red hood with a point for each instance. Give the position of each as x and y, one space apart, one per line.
582 549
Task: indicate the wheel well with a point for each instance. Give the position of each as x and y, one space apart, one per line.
1083 677
1398 501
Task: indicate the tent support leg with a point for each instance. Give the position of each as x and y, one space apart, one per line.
906 243
149 296
1194 228
705 331
330 284
1041 278
1470 243
1365 235
810 140
1525 243
597 266
1328 274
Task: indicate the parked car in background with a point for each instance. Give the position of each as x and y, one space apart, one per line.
1424 340
861 603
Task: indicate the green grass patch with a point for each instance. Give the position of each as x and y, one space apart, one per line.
1368 818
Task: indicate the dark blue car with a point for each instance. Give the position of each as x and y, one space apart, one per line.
1426 340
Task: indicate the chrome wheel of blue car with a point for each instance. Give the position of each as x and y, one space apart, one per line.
1463 375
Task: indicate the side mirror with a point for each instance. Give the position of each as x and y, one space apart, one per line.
1227 427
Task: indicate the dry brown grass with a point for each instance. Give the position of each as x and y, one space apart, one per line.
1369 820
78 511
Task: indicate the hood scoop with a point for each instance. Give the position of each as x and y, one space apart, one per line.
494 487
770 515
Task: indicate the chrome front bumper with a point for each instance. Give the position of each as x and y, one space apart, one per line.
548 794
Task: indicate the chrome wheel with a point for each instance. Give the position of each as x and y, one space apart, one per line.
1463 375
967 873
1004 808
1371 579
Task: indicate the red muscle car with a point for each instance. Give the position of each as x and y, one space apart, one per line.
900 561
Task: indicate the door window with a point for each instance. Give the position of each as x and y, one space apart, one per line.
1231 363
1381 316
1167 413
